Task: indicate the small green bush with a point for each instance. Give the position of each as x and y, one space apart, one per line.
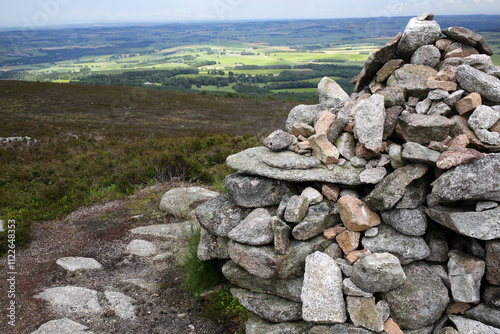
222 306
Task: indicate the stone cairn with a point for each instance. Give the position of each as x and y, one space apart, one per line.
375 212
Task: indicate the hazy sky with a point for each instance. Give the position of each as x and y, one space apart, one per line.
40 13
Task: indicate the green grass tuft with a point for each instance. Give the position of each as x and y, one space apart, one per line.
222 306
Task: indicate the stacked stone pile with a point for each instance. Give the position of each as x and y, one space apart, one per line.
377 211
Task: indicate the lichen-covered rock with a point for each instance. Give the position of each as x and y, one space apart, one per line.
416 34
411 222
265 263
303 113
493 261
212 247
331 94
474 80
322 298
406 248
319 217
220 215
470 326
465 272
254 230
256 325
413 78
420 300
428 55
423 129
364 313
468 37
268 307
378 272
181 201
278 141
369 120
296 209
256 192
288 289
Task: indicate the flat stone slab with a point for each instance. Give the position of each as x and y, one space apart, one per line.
78 263
289 166
484 225
470 326
121 304
63 325
180 201
72 300
142 248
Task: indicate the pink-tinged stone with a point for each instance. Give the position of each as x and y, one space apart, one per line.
457 157
460 141
325 151
348 241
448 86
356 215
443 43
330 191
332 232
363 152
446 75
412 101
391 327
302 129
468 103
324 122
357 255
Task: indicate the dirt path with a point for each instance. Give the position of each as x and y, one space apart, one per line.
103 232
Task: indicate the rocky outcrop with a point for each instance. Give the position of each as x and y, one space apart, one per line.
381 213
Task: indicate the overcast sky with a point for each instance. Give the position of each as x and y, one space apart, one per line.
40 13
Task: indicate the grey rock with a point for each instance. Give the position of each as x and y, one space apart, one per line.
281 232
378 272
424 106
493 261
369 122
420 300
351 289
396 155
72 300
416 34
256 325
480 62
334 251
469 326
302 114
407 249
254 230
423 129
345 266
171 232
212 247
465 272
376 61
491 295
255 192
411 222
349 329
319 217
423 330
416 153
346 144
371 232
296 209
438 94
468 37
278 141
78 263
64 325
486 205
143 284
121 304
488 137
181 201
474 80
415 195
478 180
384 310
358 162
312 195
428 55
483 225
393 96
288 289
440 109
485 314
322 298
364 313
438 245
483 117
292 167
341 120
476 248
454 98
331 94
220 215
142 248
373 175
392 188
388 68
265 263
391 120
349 192
412 78
268 307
